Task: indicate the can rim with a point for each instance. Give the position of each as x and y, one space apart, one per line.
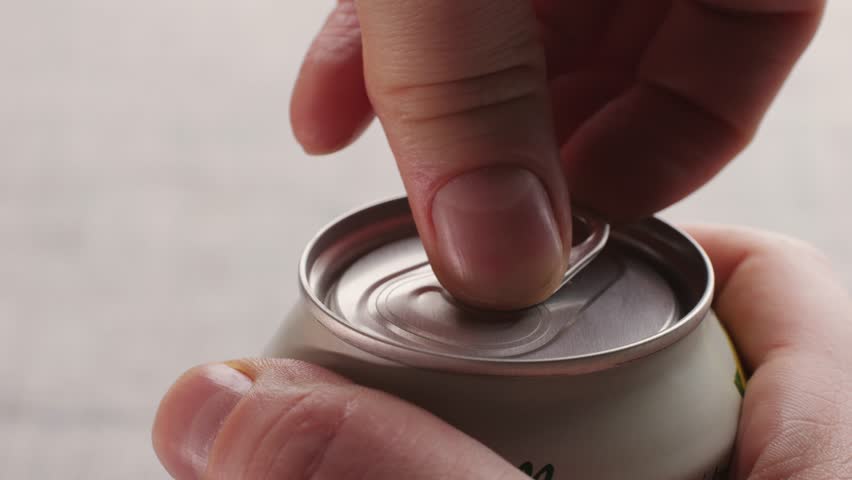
422 358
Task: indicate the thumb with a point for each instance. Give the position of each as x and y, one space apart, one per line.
460 88
280 419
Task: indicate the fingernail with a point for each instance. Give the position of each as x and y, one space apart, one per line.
192 414
498 238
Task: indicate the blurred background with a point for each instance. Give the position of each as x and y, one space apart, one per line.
153 204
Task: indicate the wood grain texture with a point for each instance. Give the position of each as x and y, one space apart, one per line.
153 204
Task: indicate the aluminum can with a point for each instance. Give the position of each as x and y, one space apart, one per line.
624 373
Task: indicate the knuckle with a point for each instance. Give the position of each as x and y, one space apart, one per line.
460 97
780 245
320 410
803 249
319 416
737 7
809 250
516 74
726 127
294 441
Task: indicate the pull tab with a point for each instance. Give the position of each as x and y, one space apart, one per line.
583 253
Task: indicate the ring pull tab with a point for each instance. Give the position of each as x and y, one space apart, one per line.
583 253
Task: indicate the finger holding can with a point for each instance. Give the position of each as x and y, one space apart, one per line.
791 320
629 344
650 100
289 418
461 91
281 419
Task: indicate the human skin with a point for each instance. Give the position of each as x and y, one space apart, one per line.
791 320
496 109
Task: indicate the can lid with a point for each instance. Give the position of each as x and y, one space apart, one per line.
370 282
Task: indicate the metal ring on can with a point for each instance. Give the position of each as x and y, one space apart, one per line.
583 253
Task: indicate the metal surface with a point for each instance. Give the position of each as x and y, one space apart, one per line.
669 416
582 253
369 281
154 206
537 386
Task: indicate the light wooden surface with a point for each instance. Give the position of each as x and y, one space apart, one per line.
153 204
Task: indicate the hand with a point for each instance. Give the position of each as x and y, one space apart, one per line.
281 419
495 109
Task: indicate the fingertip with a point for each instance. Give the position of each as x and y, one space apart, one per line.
191 414
330 108
498 244
319 137
724 245
729 246
767 285
314 141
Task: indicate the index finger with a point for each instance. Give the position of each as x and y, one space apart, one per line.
460 88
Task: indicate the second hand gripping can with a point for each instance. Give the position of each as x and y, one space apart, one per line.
624 373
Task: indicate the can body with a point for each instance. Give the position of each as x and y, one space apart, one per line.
624 372
671 415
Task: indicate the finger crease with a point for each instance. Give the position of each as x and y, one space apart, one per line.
332 433
814 7
726 125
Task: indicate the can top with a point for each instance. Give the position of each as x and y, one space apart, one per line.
368 280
